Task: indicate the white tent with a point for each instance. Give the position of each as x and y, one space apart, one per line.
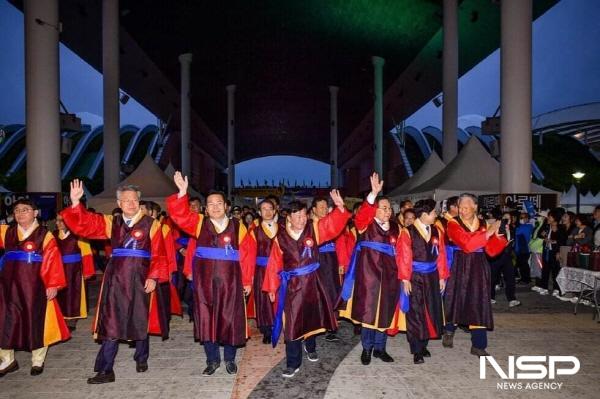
472 170
432 166
4 190
154 184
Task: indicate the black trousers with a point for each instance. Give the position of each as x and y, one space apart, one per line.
108 351
293 351
417 345
523 266
551 266
503 265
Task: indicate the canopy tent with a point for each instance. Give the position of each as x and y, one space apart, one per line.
154 184
473 170
587 202
432 166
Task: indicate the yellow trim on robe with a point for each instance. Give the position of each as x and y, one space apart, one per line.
165 230
51 328
108 224
242 231
82 304
346 314
199 225
156 227
316 230
84 247
267 231
3 229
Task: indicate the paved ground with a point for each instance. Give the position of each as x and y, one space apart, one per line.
542 326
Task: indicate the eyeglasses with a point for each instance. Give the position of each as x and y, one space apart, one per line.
23 210
385 208
130 201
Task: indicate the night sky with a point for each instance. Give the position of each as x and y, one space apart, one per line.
566 65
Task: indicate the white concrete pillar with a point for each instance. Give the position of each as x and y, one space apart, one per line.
333 133
110 80
378 113
42 90
515 96
230 139
450 81
186 121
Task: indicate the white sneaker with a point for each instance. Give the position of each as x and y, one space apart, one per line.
543 291
564 298
536 288
497 287
555 293
493 301
574 299
290 372
586 302
514 303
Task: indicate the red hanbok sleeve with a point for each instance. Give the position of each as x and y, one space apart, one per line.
87 258
495 245
248 250
442 261
52 271
180 213
189 257
274 266
87 224
341 249
365 215
158 269
170 253
332 225
465 240
404 256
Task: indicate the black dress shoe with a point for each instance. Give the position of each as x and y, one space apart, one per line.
383 355
102 378
478 352
425 353
141 367
418 358
14 366
331 337
231 367
365 357
36 370
211 368
267 339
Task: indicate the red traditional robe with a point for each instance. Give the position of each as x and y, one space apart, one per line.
308 310
374 298
72 298
467 300
259 305
28 320
219 303
124 310
424 319
169 290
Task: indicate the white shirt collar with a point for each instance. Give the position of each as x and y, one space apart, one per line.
220 225
24 233
384 225
135 217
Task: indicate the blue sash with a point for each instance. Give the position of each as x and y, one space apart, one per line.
20 256
418 267
285 277
183 241
326 248
262 261
72 258
217 253
450 249
132 253
384 248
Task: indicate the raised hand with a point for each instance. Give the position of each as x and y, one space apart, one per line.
376 184
182 183
76 192
337 199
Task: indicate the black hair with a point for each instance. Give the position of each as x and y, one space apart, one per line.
155 207
318 199
404 202
296 206
25 201
424 206
218 192
409 210
266 201
583 219
452 201
274 199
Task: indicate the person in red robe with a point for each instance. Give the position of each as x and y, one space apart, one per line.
78 263
31 273
332 258
128 307
423 272
468 297
303 301
372 283
265 229
221 271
